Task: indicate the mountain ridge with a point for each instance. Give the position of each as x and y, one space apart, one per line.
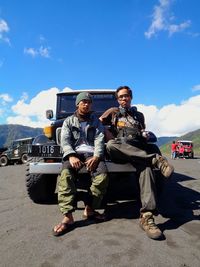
10 132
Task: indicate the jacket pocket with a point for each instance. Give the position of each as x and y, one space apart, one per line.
75 133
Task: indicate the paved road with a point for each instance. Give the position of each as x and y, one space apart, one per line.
26 239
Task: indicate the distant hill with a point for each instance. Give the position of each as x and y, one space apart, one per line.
192 136
10 132
165 139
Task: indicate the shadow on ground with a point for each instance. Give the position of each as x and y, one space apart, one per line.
178 203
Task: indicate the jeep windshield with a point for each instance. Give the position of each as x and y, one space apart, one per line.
101 102
186 143
15 143
21 142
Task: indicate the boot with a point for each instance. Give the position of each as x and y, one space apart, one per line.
148 225
163 165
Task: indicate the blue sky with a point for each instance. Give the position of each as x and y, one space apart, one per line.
153 46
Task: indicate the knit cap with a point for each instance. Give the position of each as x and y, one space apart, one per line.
83 96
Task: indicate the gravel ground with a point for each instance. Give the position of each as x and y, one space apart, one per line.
26 239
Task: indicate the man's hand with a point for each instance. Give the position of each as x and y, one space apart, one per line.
145 134
92 163
108 135
75 162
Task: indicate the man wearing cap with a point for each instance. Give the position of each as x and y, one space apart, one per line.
82 141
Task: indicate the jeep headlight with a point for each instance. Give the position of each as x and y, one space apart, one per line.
16 152
48 131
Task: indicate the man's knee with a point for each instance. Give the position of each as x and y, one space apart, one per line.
110 145
65 173
65 178
100 184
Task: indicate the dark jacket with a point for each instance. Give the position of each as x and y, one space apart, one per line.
111 116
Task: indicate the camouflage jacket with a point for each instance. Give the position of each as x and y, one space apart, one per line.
71 135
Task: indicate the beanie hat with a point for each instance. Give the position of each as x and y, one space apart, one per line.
83 96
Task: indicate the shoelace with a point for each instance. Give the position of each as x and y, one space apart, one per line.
163 163
151 223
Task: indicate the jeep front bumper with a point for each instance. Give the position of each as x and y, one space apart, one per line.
55 168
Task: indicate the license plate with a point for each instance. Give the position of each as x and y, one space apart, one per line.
45 151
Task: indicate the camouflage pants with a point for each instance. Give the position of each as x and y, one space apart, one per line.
67 187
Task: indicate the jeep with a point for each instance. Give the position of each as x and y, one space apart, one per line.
187 149
16 152
45 154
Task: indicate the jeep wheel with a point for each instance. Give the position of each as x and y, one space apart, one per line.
3 161
40 187
24 158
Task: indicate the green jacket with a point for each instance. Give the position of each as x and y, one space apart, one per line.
71 135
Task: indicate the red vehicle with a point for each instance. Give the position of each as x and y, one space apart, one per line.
187 149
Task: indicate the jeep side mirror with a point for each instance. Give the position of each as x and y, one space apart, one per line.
49 114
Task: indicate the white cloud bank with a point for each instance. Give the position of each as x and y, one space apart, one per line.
33 113
173 120
162 20
170 120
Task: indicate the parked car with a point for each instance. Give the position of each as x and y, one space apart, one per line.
185 149
16 152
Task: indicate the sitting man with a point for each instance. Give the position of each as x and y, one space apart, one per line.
82 140
127 126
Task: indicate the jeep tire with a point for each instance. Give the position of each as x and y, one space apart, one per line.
40 187
24 158
3 161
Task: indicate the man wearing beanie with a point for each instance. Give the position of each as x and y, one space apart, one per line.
82 141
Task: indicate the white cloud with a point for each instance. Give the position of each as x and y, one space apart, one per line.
3 30
26 121
31 51
44 51
173 28
170 120
196 87
5 98
162 20
32 113
173 120
41 51
3 26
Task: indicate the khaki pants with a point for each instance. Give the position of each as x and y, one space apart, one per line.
67 187
123 152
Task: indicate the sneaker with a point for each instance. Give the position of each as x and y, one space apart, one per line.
164 166
148 225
